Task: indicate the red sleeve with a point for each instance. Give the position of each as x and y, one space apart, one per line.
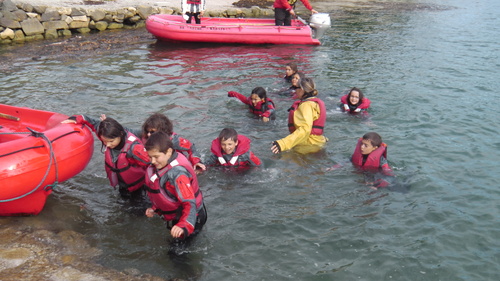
139 155
255 159
242 98
189 148
270 109
306 4
186 196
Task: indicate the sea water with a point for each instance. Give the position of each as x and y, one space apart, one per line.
431 72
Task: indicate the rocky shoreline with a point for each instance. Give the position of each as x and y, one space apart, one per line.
23 22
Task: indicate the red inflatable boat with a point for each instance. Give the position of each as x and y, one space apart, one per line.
232 30
36 153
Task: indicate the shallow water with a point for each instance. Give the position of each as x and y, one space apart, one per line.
431 74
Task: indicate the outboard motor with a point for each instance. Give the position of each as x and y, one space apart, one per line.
320 22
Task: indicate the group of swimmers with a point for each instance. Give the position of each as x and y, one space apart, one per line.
157 160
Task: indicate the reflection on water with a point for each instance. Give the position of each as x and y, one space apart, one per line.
429 74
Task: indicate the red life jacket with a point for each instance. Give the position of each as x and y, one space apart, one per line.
160 190
372 163
121 172
261 107
365 104
318 125
242 148
196 2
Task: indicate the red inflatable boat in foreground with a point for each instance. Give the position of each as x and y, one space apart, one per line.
36 153
238 30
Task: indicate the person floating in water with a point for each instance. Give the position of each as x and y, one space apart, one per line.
233 150
370 155
258 103
354 101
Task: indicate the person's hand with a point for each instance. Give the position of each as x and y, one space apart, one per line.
201 14
346 107
313 11
103 117
292 12
265 119
150 212
69 121
176 232
200 166
276 148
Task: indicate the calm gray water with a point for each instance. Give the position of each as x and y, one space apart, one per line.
431 71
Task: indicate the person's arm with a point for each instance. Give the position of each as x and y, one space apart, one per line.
138 155
88 121
364 104
211 160
239 96
270 110
304 116
185 195
308 6
254 160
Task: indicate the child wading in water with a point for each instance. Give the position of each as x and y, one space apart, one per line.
258 103
290 70
172 187
231 149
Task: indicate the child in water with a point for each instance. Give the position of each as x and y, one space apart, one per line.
258 103
159 122
354 101
172 187
290 70
124 155
370 155
231 149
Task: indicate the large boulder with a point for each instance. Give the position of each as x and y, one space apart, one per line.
32 27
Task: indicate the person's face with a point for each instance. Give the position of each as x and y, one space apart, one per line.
159 159
288 70
228 146
354 97
255 99
295 80
111 143
367 147
150 131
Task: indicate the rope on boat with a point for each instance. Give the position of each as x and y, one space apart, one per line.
52 158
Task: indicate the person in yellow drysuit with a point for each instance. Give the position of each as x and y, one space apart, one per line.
306 122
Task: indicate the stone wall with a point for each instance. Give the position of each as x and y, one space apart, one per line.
24 22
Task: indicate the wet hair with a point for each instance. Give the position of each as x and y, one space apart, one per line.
308 86
293 66
361 96
259 91
228 133
110 129
374 138
159 141
158 121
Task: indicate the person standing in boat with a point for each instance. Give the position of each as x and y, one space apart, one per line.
284 10
193 8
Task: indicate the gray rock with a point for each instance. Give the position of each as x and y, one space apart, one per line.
144 11
79 24
51 34
56 24
9 23
50 15
101 25
78 12
8 6
32 27
96 15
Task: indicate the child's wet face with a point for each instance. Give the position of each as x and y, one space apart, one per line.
159 159
367 147
228 146
354 97
288 71
111 143
295 80
255 99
